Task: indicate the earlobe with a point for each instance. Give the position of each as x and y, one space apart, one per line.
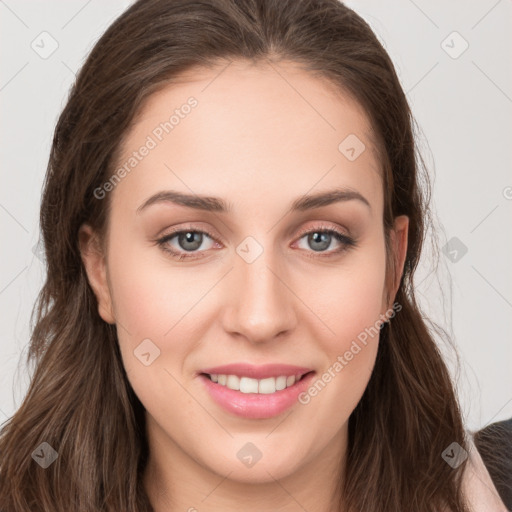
93 259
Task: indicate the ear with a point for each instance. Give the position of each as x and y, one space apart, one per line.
93 258
399 239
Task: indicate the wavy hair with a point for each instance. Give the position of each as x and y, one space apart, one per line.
79 400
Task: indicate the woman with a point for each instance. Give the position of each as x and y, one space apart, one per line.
280 361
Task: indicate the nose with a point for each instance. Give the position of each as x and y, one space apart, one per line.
260 304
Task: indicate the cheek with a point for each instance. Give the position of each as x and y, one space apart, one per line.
351 351
351 301
351 309
149 306
355 307
351 306
148 296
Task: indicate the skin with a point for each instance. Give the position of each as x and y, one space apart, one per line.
259 144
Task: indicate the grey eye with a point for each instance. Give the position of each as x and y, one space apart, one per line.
319 241
187 241
190 240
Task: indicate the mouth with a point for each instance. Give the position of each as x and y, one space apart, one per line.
267 386
250 398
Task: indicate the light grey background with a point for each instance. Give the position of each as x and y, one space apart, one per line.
461 100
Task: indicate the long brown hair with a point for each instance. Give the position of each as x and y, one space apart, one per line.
80 401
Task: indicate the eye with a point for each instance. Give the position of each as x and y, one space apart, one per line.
188 240
191 240
320 238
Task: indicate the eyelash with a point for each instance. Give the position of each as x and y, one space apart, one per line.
346 241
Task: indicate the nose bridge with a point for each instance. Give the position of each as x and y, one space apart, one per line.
261 305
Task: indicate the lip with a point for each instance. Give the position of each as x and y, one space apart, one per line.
257 372
256 405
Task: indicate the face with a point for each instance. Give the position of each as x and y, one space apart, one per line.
256 275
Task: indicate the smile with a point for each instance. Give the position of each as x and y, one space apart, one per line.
249 385
251 398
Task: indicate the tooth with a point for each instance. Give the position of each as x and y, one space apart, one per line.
233 382
267 386
248 385
290 381
280 383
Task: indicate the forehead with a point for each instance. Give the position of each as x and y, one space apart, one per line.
252 130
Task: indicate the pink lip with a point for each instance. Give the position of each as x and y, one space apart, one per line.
257 372
256 405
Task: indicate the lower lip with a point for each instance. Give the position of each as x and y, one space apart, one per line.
256 405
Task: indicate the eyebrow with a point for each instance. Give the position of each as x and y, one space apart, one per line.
218 205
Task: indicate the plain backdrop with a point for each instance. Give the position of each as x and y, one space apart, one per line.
454 62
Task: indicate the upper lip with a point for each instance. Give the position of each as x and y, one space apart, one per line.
257 372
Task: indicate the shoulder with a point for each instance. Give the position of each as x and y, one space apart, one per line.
477 484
